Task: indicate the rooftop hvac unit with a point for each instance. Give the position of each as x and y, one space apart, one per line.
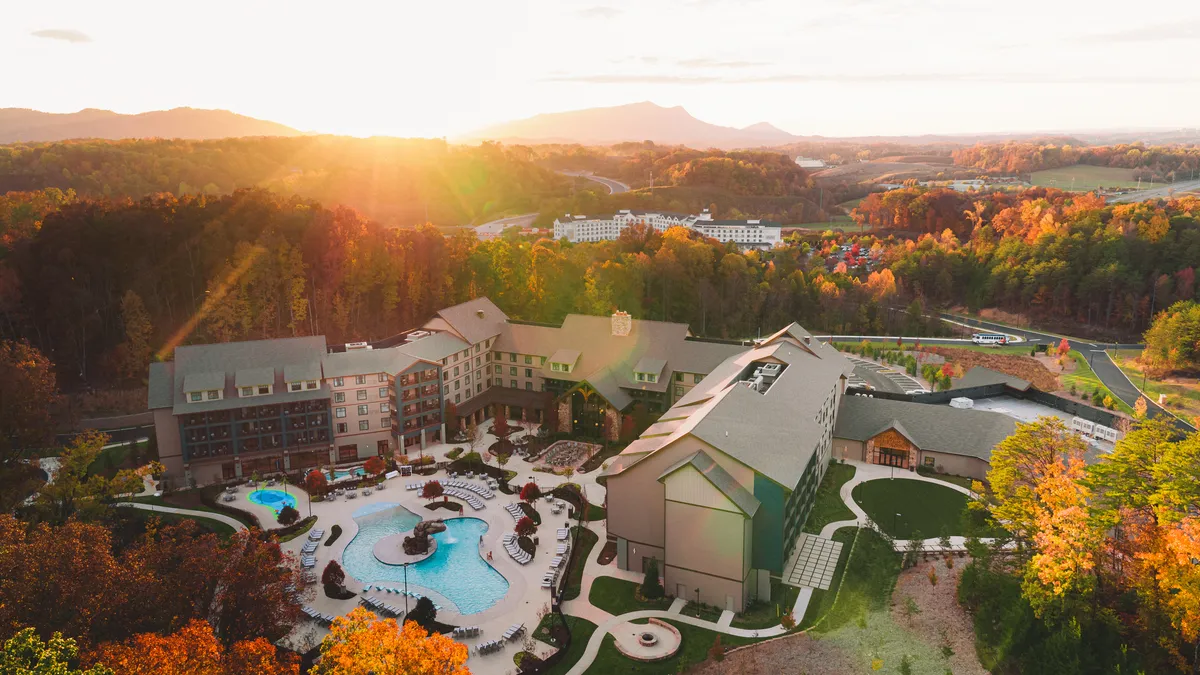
417 335
357 345
771 369
962 403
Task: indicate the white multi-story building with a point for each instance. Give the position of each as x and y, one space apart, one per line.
745 233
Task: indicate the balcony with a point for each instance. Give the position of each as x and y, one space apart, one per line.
430 375
429 405
429 391
409 395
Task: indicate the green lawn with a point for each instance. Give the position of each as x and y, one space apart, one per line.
1086 178
693 650
925 508
1085 380
581 632
615 596
862 582
828 506
1183 393
587 539
109 461
766 614
206 524
961 481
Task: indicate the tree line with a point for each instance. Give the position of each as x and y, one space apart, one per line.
1163 163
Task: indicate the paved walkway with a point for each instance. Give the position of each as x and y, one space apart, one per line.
211 515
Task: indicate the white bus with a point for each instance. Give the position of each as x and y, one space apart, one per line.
989 339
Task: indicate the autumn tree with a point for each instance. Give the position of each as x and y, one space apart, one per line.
133 355
192 650
530 492
472 435
432 490
361 644
27 394
1064 347
76 488
259 590
26 654
374 465
288 515
316 482
525 527
500 427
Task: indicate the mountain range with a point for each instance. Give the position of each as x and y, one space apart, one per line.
634 122
24 125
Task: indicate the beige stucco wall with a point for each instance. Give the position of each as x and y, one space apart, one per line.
713 590
706 540
848 449
170 448
959 465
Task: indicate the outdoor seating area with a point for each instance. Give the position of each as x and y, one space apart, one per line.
563 533
489 647
466 631
378 605
568 454
514 631
399 591
510 544
324 619
475 502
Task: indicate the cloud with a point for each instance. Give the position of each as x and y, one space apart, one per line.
64 34
878 78
599 12
714 63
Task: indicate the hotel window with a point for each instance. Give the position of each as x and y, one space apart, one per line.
311 384
383 377
679 391
468 378
364 425
295 386
342 428
385 423
528 359
263 390
456 384
360 379
543 360
477 361
383 392
197 396
458 398
247 391
513 384
697 378
339 412
383 408
364 409
499 370
466 353
445 390
512 370
476 349
361 394
456 371
512 358
528 386
337 381
478 387
529 372
339 397
213 395
679 377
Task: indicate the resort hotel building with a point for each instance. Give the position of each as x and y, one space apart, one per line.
748 234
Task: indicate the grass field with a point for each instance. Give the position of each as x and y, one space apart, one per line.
1086 178
862 582
615 596
1085 380
838 223
581 632
1183 393
692 650
828 506
924 508
851 204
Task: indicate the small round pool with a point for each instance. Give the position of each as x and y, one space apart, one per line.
273 499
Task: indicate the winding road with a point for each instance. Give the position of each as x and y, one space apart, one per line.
1157 193
614 186
210 515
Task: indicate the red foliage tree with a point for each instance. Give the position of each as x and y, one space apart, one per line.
1064 347
333 574
432 490
316 482
947 370
374 466
500 428
194 650
525 527
530 492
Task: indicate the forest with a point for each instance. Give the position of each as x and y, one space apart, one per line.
1158 163
1056 255
398 182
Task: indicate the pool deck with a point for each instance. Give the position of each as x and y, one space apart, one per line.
523 602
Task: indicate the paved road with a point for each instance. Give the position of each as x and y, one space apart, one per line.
211 515
495 227
614 186
1158 192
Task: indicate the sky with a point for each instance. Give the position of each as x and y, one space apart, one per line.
442 68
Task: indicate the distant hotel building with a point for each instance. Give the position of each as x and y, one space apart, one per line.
747 234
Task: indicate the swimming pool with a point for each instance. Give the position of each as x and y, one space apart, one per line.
275 499
455 569
339 473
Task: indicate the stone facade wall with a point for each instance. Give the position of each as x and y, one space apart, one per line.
614 423
564 414
892 440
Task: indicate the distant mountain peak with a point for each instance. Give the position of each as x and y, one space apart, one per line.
21 125
641 121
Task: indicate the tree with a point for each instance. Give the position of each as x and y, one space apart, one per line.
1064 347
432 490
374 465
651 588
1140 408
333 574
1065 539
1173 340
424 613
471 435
193 650
716 652
525 527
500 428
135 352
75 489
27 394
259 590
360 644
316 482
288 515
910 608
530 492
26 654
452 421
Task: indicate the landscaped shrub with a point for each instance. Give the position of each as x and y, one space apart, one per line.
531 492
333 574
432 490
454 454
288 515
525 527
924 470
334 533
651 589
716 652
374 466
424 613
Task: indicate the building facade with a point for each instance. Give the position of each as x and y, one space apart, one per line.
719 488
748 234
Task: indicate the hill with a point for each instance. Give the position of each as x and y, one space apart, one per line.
24 125
644 121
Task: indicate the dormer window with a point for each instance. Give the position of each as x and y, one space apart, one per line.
263 390
247 391
647 377
295 386
196 396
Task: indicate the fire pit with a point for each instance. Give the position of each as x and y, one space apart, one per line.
647 639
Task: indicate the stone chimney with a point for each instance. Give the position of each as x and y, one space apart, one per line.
622 323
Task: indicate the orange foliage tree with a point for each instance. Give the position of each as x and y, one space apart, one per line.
193 650
359 644
374 466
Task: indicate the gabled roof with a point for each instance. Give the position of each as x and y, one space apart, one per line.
567 356
940 428
299 372
649 365
162 378
434 347
720 479
980 376
203 381
254 377
475 320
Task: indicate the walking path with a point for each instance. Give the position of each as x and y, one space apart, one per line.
211 515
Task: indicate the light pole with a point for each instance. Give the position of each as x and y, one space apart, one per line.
405 565
697 601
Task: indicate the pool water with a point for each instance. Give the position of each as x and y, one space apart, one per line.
275 499
338 473
455 570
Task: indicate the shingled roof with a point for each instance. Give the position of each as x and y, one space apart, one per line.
939 428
